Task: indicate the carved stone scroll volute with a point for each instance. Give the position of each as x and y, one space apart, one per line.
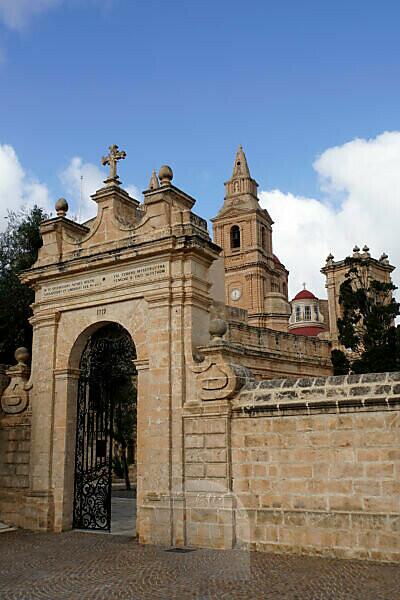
15 398
218 377
218 381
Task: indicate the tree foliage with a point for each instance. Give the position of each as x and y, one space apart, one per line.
367 327
19 245
340 362
125 397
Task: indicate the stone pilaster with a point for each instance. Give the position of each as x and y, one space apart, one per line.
63 455
40 504
154 426
210 501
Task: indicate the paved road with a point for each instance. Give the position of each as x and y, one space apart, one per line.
88 566
123 515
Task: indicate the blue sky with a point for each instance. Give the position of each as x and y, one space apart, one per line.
184 82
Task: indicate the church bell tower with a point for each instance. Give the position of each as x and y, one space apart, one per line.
255 279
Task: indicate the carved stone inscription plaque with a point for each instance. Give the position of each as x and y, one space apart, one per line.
137 274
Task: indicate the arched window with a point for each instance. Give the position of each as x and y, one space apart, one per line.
298 313
235 236
307 313
274 286
263 238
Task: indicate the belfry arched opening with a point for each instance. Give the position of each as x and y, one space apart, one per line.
105 481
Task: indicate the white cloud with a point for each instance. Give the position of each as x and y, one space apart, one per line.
15 14
134 192
72 183
93 179
365 175
17 188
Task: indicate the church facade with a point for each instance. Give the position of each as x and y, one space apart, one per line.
243 437
255 278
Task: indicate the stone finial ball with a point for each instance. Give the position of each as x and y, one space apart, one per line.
165 174
21 355
218 328
61 207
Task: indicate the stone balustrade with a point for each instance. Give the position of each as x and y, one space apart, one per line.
277 341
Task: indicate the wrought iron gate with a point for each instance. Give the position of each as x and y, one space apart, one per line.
106 361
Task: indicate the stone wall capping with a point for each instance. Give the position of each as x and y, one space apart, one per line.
318 384
323 394
360 390
372 377
289 383
335 379
382 390
354 378
247 397
268 404
304 382
262 397
250 384
393 376
313 391
271 383
318 381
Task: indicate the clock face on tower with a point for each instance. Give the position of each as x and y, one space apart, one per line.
235 294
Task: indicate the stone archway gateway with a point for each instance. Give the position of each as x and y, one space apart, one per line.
144 267
105 389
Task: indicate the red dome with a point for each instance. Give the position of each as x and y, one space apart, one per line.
276 259
305 295
311 331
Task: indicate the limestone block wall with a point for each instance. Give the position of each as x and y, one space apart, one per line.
15 434
316 466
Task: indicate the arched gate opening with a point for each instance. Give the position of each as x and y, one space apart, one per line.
106 424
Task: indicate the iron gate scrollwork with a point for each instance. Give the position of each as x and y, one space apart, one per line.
106 363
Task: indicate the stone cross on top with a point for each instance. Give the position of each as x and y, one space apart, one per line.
112 158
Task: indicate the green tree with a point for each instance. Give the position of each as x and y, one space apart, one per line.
367 327
124 423
340 362
19 245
